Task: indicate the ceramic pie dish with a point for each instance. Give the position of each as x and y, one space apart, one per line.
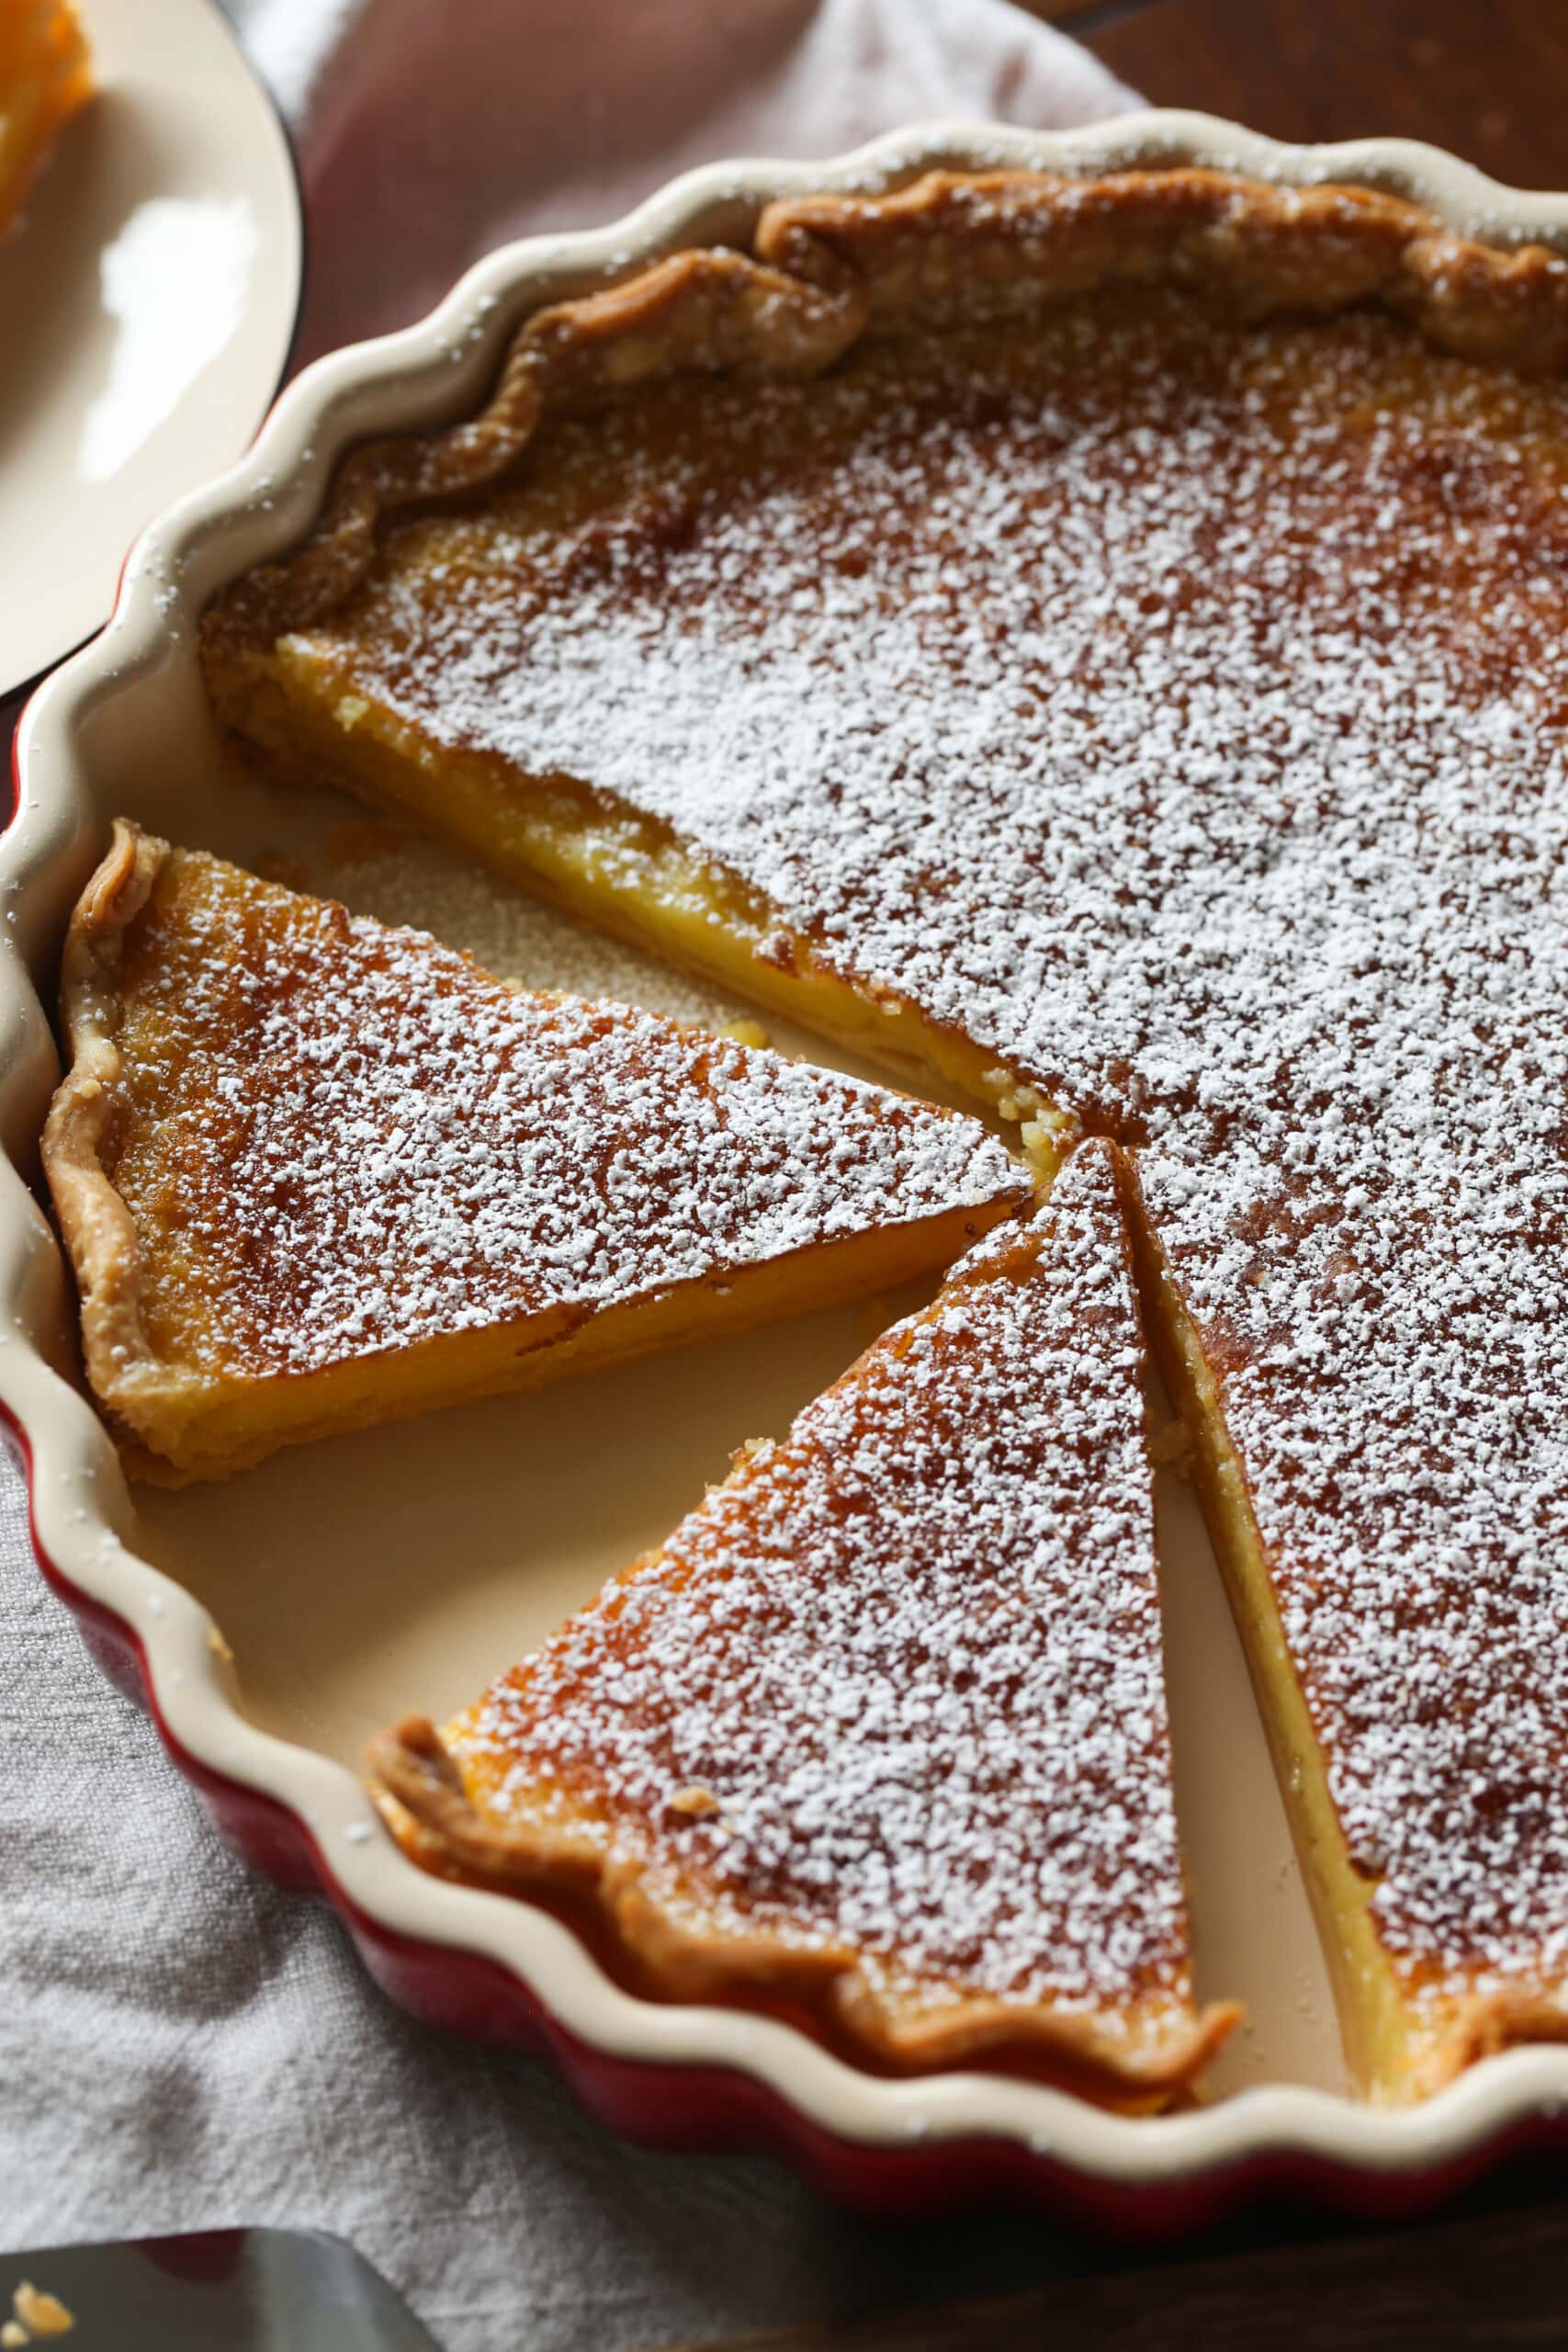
271 1628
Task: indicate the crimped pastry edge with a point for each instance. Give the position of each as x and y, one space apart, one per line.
1136 2070
136 1387
822 271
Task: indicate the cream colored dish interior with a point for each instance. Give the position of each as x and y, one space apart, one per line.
360 1577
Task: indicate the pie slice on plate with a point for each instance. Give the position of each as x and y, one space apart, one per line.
314 1173
879 1733
44 78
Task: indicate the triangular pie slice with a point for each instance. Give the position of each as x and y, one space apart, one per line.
314 1173
879 1733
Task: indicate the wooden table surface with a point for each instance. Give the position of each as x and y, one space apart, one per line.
1489 2281
1489 80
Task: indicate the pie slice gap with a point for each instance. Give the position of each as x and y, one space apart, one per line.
879 1733
313 1172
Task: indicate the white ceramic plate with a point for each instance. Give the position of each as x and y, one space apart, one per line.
399 1569
149 295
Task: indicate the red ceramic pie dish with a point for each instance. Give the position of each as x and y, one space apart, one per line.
270 1624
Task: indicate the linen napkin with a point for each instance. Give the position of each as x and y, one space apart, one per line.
426 135
180 2045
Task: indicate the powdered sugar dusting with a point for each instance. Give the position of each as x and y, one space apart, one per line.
366 1141
896 1687
1238 823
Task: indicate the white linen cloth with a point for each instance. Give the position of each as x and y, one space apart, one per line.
180 2045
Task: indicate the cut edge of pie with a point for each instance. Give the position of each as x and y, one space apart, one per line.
623 874
1405 2036
461 1805
177 1420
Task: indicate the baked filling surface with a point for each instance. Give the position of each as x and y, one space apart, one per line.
313 1171
1109 640
880 1730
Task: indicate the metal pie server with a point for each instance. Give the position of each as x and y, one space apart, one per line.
247 2290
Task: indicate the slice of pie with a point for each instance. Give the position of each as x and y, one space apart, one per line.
880 1731
44 78
1110 639
313 1172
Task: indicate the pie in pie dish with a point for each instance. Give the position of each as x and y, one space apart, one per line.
313 1172
879 1732
44 78
1108 641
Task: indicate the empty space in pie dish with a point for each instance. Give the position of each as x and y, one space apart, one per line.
405 1566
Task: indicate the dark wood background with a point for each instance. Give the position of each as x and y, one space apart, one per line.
1489 80
1490 2281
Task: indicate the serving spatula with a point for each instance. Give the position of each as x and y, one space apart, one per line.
247 2290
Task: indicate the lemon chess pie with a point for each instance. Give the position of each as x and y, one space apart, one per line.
1109 640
